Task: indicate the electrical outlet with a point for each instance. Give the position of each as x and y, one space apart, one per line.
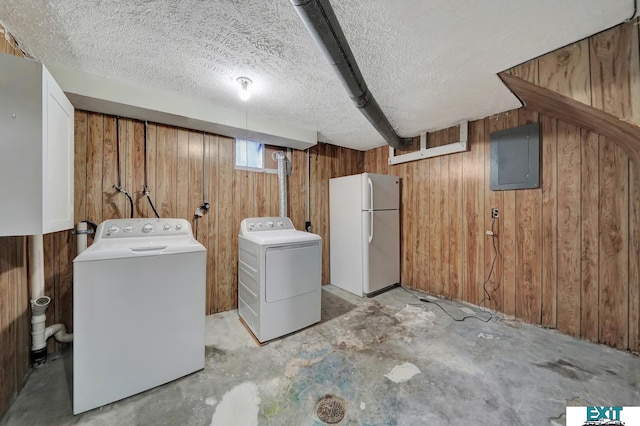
495 213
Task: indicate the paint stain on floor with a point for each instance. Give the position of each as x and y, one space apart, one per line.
239 406
402 373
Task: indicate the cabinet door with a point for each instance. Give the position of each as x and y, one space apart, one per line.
57 157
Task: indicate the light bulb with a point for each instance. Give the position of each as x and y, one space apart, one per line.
244 88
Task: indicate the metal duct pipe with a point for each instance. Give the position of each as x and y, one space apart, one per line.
282 181
321 22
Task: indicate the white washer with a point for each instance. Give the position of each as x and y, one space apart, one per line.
279 277
138 309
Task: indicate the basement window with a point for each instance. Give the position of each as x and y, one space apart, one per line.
257 157
249 154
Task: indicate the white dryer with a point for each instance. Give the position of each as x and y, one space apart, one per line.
279 277
138 309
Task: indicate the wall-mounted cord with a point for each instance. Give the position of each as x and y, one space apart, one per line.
424 300
118 187
145 188
487 296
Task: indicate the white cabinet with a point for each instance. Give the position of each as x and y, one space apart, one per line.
36 150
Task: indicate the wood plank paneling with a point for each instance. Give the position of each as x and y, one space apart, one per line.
423 269
549 221
634 259
183 188
151 156
410 209
595 84
473 223
226 256
566 71
197 190
491 293
455 226
442 212
614 248
213 249
166 171
528 246
550 103
590 223
94 167
430 245
22 312
529 71
615 72
568 222
113 202
555 242
80 168
9 388
136 168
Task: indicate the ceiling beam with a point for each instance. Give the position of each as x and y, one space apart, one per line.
99 94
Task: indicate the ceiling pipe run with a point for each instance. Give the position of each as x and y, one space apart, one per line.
321 22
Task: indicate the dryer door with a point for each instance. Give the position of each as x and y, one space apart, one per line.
292 270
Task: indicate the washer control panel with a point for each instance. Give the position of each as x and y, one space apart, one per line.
257 224
142 227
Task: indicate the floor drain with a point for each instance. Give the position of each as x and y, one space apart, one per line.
331 409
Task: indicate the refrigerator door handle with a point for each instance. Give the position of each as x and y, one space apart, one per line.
370 195
370 226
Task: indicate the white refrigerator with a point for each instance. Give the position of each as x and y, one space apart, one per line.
364 222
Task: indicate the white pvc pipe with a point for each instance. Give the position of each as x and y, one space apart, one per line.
39 340
36 266
40 334
59 332
40 302
81 237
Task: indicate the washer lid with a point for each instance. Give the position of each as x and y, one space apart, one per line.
122 248
283 236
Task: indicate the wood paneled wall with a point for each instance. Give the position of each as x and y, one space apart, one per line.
602 71
177 162
14 297
567 252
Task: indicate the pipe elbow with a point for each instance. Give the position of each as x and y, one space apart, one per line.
59 332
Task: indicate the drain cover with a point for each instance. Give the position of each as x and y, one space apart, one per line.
331 409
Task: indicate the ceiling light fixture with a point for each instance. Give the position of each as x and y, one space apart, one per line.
245 82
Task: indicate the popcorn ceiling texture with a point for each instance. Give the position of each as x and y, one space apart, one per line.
429 64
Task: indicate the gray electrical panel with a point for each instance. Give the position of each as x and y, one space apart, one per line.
515 158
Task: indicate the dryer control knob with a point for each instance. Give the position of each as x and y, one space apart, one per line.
178 226
148 227
128 228
280 223
166 227
113 229
270 224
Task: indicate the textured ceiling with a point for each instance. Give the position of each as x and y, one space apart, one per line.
429 64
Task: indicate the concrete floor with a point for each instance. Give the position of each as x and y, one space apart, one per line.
500 372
